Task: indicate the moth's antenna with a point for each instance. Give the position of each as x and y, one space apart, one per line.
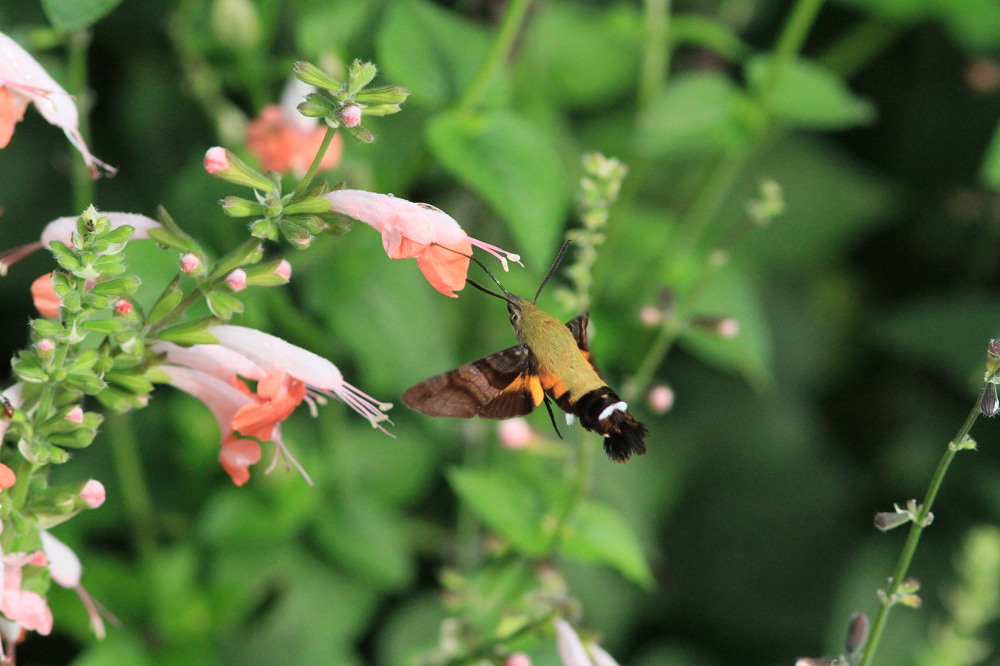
555 265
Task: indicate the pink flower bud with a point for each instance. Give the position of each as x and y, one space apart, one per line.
7 477
216 160
284 269
515 433
661 399
351 115
650 316
518 659
93 493
190 263
75 415
38 559
45 346
237 279
123 306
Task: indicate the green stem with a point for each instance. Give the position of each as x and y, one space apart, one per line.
500 51
83 185
656 58
793 35
913 538
134 491
314 167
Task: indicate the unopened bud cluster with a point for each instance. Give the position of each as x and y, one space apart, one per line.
344 104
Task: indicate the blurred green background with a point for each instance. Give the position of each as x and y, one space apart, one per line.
865 310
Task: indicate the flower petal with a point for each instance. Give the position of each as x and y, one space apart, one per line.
446 266
273 353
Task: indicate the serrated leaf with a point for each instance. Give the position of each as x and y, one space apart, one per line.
72 15
506 504
512 165
599 533
810 96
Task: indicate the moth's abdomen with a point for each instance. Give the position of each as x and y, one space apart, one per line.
602 411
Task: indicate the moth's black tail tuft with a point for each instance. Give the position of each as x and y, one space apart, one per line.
625 439
603 411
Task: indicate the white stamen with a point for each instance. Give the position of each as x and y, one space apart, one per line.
619 406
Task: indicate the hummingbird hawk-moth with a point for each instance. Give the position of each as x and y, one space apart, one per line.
551 360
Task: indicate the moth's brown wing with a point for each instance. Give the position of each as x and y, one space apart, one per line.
578 327
498 386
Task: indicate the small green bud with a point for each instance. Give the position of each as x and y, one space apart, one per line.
394 95
360 75
191 333
237 207
314 76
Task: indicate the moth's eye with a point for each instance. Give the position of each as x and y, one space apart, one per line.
515 317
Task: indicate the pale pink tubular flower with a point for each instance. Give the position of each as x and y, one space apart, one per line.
66 570
320 375
572 651
24 81
285 375
410 229
25 607
63 228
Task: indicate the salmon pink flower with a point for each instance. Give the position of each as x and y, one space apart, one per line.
286 376
286 141
24 81
7 477
44 296
440 245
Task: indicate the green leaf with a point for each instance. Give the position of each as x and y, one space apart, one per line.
511 164
71 15
599 533
989 172
579 55
167 301
698 112
430 50
367 539
810 96
506 504
707 33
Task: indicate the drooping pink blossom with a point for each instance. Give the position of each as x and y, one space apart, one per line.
23 81
439 244
25 607
286 376
66 570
